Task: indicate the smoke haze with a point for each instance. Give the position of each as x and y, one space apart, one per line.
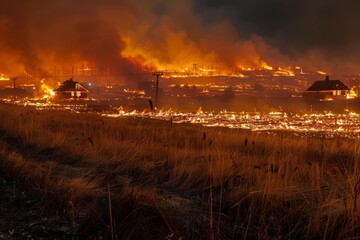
127 36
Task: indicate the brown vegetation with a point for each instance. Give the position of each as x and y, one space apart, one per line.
147 179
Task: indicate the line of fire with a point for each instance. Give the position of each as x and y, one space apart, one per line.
197 82
266 99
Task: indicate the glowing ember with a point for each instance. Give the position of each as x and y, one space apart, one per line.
326 124
284 72
138 92
321 72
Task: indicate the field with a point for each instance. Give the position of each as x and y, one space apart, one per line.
130 178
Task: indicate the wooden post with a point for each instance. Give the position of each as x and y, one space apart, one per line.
157 90
157 74
14 92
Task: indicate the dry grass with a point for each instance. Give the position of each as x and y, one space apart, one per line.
172 181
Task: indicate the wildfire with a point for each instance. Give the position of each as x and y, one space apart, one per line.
189 60
265 66
321 72
138 92
325 124
352 94
284 72
48 91
262 66
3 77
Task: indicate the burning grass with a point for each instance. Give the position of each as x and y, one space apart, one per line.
149 179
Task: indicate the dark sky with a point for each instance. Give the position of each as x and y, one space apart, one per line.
123 34
293 26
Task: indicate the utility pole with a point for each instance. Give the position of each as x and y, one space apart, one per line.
195 68
14 85
157 74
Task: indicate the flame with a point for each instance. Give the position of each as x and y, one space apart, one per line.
48 91
141 39
179 56
265 66
328 99
138 92
327 124
352 94
321 72
262 66
284 72
3 77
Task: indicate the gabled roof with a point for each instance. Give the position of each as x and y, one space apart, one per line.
327 85
70 85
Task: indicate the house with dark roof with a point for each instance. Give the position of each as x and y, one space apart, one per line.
327 89
71 89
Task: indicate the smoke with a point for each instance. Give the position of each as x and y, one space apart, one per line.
45 34
321 32
176 34
127 36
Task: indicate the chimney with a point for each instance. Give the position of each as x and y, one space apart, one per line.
327 78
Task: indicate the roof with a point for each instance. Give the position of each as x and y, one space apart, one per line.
327 85
71 85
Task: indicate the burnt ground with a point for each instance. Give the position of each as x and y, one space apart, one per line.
24 206
22 216
23 211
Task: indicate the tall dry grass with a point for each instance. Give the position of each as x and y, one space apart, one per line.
173 181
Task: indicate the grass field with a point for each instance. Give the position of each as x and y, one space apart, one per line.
146 179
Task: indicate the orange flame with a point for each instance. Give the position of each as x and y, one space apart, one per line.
3 77
47 91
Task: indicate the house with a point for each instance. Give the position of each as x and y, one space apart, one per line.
327 89
71 89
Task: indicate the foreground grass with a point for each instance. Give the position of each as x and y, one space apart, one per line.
147 179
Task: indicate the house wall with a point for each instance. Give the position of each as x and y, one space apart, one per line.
71 95
339 92
326 94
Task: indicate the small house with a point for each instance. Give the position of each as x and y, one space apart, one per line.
71 89
327 89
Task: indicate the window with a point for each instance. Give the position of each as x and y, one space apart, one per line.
78 94
72 94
